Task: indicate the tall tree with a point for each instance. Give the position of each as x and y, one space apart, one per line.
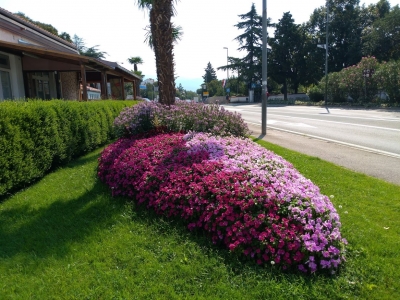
47 27
344 32
250 41
79 43
161 12
135 60
93 52
177 34
210 74
382 38
287 53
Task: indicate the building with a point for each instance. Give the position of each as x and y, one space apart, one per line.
35 63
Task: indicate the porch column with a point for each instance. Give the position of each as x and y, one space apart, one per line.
134 89
103 85
122 88
84 83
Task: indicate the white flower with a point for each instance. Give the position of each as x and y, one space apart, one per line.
272 262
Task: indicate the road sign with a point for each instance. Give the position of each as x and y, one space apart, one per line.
368 72
253 85
228 90
142 87
205 94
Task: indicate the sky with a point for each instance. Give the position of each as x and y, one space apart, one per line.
118 28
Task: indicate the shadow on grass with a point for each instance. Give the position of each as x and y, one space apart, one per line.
53 228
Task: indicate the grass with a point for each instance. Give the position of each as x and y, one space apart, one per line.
66 238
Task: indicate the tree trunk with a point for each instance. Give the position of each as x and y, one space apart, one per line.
161 29
285 90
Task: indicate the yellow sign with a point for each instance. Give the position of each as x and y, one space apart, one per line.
205 93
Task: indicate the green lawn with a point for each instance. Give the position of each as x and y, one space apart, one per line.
66 238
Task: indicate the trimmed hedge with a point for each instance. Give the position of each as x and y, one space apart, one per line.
37 136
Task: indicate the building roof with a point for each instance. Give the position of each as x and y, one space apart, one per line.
70 58
28 24
116 66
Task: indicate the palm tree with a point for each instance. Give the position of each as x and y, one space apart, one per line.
161 12
135 60
177 34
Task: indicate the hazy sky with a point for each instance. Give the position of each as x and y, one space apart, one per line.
118 28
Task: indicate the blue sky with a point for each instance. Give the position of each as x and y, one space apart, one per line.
118 28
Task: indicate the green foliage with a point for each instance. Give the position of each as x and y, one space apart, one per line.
37 136
47 27
215 88
344 32
210 74
67 238
350 82
388 76
382 38
315 93
249 41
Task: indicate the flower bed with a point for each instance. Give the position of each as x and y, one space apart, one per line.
246 197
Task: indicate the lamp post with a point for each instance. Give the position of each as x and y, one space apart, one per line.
326 54
264 70
227 70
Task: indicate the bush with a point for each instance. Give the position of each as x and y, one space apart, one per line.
182 116
388 76
244 196
315 93
36 136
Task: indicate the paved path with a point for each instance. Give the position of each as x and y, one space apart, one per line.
375 165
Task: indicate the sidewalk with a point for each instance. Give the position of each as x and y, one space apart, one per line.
372 164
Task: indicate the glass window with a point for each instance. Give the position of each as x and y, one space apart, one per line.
5 85
4 61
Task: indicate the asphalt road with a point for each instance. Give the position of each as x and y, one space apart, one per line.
366 141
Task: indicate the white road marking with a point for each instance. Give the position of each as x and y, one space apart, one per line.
366 149
344 123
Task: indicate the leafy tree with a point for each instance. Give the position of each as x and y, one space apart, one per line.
65 36
250 41
93 52
214 88
47 27
161 12
382 38
287 54
344 32
79 43
210 73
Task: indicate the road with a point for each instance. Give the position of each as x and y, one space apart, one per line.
366 141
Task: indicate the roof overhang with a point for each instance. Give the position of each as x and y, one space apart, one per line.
70 58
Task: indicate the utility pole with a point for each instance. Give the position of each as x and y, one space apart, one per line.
326 54
264 70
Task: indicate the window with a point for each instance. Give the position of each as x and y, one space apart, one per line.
5 85
4 61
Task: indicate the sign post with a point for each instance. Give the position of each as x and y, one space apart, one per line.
367 73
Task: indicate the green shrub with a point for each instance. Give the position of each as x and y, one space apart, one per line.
315 93
388 76
37 136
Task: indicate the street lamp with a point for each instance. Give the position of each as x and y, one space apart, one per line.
227 70
264 70
326 54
